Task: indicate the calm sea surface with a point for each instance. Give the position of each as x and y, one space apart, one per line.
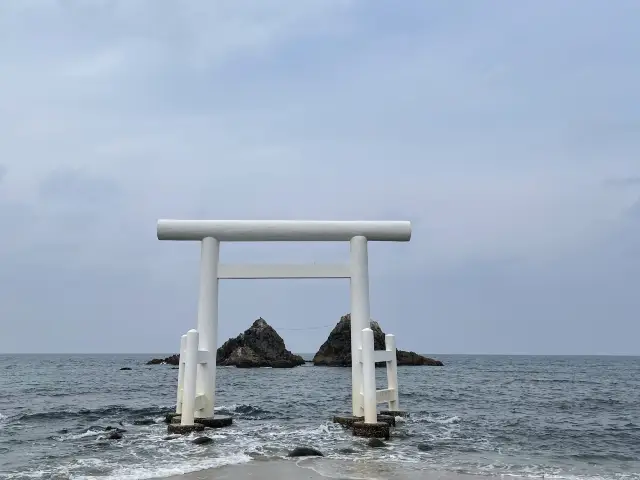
561 417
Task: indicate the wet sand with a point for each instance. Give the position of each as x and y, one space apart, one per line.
321 469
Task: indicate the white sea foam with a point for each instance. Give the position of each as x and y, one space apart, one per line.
181 466
75 436
158 466
441 420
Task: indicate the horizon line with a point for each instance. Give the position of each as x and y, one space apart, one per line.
311 353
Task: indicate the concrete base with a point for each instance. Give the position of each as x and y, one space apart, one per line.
169 416
218 421
184 429
394 413
371 430
347 421
387 419
350 420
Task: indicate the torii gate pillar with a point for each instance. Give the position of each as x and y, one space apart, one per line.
360 314
208 321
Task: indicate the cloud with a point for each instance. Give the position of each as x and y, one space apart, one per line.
73 187
623 182
493 133
634 211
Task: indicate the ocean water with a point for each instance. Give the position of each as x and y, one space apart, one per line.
557 417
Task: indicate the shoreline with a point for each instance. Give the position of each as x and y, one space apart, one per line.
313 468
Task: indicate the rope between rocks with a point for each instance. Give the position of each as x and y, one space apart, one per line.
277 329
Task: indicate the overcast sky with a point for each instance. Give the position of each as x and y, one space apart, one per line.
507 132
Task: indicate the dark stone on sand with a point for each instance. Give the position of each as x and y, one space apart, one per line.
424 447
348 421
371 430
336 351
202 440
114 436
305 452
184 429
171 360
259 346
376 443
125 368
144 421
394 413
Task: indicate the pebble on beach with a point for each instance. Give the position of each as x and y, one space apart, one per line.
305 452
202 440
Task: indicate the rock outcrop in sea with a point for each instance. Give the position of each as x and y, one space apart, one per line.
171 360
336 351
259 346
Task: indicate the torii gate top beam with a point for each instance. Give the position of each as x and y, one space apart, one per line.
283 230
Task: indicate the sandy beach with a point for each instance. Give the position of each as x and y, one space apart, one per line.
320 469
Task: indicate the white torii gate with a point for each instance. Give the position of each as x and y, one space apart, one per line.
211 232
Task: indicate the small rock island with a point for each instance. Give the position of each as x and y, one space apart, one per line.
336 351
261 346
258 346
170 360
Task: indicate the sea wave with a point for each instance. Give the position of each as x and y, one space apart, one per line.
467 420
249 412
107 469
92 414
